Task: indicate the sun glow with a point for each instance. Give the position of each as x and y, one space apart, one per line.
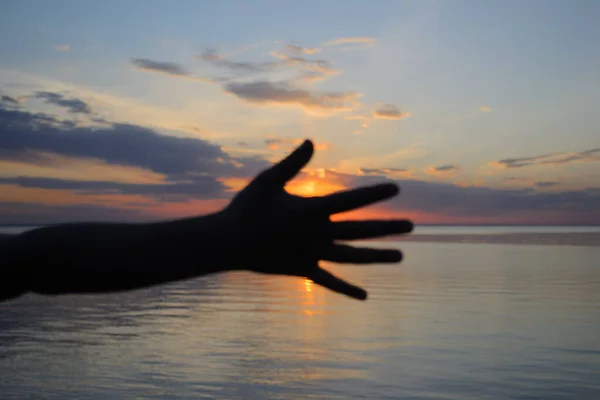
313 187
307 188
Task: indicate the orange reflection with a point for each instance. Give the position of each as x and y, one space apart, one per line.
309 303
308 285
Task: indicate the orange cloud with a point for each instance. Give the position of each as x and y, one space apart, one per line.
322 146
485 108
355 42
365 121
312 77
235 184
299 50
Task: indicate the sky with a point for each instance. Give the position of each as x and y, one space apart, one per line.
482 112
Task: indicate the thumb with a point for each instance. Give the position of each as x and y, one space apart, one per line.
326 279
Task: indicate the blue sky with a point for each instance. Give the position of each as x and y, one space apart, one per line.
451 93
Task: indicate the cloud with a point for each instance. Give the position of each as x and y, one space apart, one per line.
352 42
8 100
546 184
211 55
388 111
200 187
316 65
167 68
516 179
441 170
289 143
195 169
62 47
75 106
291 57
36 138
485 108
274 144
532 183
316 70
312 77
445 168
385 171
267 93
565 158
437 201
220 60
319 146
299 50
590 155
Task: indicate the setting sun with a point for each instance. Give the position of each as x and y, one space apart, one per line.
313 187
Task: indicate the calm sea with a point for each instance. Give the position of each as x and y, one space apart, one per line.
472 313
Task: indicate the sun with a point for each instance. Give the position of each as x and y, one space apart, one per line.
313 187
304 188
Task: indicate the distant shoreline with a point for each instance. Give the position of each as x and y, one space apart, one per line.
586 239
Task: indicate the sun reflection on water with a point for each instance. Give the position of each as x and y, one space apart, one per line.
309 302
308 285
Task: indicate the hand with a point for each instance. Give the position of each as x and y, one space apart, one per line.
280 233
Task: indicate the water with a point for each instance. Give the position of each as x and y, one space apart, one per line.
454 321
502 229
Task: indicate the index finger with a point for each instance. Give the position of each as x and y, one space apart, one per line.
286 169
352 199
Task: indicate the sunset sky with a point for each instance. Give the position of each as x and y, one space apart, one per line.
483 112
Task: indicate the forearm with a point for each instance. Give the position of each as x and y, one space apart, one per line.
97 258
11 282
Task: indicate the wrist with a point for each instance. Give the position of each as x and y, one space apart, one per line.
197 246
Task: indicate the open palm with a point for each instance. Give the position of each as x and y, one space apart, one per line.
280 233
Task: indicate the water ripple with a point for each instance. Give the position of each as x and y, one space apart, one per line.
466 321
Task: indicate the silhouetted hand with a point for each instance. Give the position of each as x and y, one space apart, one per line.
280 233
264 229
